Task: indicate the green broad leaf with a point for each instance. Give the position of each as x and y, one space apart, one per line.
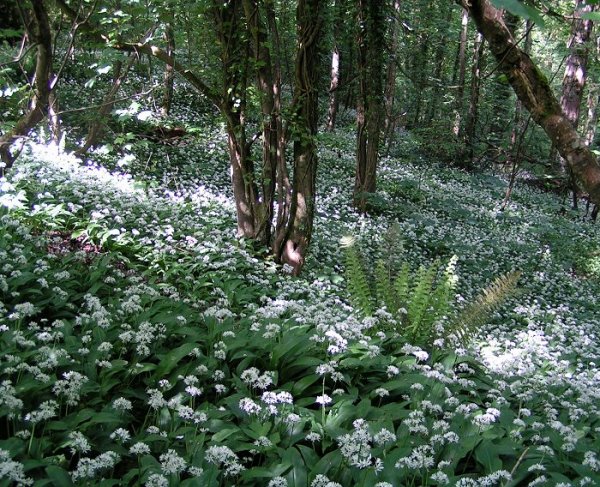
104 418
58 476
595 16
329 462
268 473
521 10
304 383
487 455
297 476
169 361
223 434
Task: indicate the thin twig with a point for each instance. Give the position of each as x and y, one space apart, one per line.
93 107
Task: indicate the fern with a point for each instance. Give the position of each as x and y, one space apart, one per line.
418 318
418 302
384 289
474 315
402 286
357 279
444 294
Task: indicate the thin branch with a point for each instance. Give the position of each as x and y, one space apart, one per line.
95 107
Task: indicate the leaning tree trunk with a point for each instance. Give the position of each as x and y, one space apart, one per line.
534 91
298 231
371 37
40 34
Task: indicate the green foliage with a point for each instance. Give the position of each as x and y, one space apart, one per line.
468 321
422 302
357 279
417 301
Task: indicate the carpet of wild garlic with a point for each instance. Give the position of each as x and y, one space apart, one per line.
156 349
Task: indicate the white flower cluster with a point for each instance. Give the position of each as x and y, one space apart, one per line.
88 468
321 480
254 378
11 470
70 387
224 457
356 446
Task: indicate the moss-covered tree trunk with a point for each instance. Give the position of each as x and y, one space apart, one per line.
296 235
534 91
267 88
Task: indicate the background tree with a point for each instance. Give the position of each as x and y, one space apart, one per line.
371 38
37 27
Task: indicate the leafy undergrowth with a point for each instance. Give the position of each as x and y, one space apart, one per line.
143 344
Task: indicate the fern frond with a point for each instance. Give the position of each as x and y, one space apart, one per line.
402 286
357 281
385 291
473 316
392 250
418 306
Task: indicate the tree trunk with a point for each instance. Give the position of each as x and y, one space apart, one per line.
534 91
39 33
333 88
439 71
575 78
169 76
283 185
390 83
335 72
471 121
298 231
460 72
371 35
576 67
234 53
592 115
270 134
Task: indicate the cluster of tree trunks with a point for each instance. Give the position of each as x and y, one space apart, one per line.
275 201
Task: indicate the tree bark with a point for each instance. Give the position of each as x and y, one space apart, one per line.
576 66
534 91
460 72
235 56
41 35
574 79
298 231
334 82
270 135
371 35
390 83
472 114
